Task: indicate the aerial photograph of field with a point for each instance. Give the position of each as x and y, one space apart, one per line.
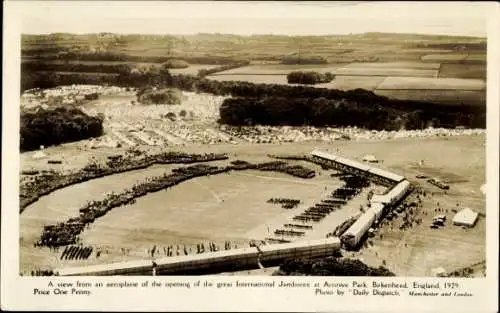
230 153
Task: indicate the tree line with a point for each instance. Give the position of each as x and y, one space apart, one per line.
298 59
225 67
309 78
277 111
55 126
72 67
62 54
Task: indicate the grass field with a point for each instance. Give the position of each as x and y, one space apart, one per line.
353 82
257 79
386 71
422 83
463 71
281 69
402 64
437 96
445 57
192 213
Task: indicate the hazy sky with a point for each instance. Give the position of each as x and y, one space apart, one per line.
289 18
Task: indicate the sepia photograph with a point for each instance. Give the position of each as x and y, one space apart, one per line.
253 140
343 154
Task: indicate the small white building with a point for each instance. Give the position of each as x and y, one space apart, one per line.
483 189
438 272
466 217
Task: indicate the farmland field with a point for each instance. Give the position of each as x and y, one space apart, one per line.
445 57
470 97
192 69
353 82
397 65
432 83
280 69
257 79
382 71
448 70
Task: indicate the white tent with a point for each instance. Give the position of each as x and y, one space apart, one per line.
438 272
483 189
465 217
370 158
39 155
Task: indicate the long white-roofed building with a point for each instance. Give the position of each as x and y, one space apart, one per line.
342 164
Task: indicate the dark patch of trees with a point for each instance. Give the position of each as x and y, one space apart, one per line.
59 125
336 113
159 96
62 54
35 66
45 80
226 67
298 59
175 63
92 96
309 78
330 266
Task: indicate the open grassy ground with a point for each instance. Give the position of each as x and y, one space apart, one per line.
257 79
353 82
191 212
437 96
463 71
422 83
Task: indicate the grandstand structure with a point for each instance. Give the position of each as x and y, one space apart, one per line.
399 187
345 165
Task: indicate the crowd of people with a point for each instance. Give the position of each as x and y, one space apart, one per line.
48 182
285 203
66 233
352 186
76 253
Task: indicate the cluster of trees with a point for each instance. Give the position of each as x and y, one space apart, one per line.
35 66
54 126
327 112
298 59
309 78
159 96
92 96
62 54
45 80
330 266
225 67
175 63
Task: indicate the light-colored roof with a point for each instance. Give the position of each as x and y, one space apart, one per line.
324 155
361 223
352 163
186 259
396 191
386 174
465 217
